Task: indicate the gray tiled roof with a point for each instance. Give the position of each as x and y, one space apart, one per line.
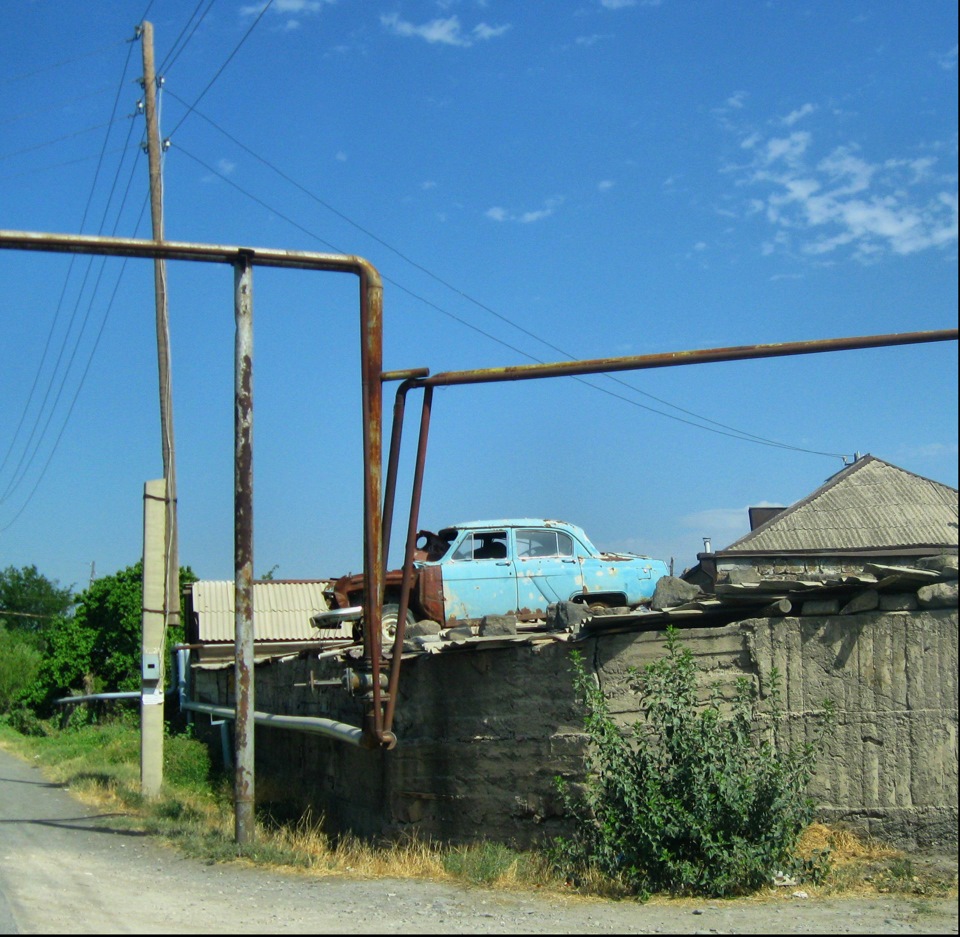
869 505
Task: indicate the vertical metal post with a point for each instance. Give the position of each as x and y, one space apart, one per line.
412 524
371 358
244 798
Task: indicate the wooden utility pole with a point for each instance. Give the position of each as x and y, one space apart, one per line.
171 601
154 150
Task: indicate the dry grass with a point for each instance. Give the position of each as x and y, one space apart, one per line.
863 866
199 819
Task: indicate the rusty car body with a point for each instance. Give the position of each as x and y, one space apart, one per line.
515 566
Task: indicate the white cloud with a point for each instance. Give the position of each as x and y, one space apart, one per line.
605 185
721 525
528 217
287 7
446 31
798 114
948 62
483 31
623 4
498 213
226 166
842 201
340 157
592 39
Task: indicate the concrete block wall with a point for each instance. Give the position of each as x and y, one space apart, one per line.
484 733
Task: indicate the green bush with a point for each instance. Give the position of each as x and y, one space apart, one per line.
187 762
19 663
693 800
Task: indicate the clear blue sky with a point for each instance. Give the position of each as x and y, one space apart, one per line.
533 179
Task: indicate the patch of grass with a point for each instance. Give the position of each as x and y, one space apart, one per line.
100 765
497 864
862 865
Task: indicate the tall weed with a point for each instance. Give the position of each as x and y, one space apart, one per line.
692 800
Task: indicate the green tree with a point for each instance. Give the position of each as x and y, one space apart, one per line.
98 648
29 602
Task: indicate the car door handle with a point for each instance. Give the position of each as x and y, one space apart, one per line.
503 563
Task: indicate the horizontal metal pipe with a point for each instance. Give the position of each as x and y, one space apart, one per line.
127 694
180 250
316 725
526 372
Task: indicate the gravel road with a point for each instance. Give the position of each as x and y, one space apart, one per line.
66 869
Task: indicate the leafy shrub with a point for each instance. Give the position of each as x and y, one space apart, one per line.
19 662
692 801
187 762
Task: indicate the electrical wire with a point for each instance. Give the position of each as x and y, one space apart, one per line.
59 309
221 69
67 136
46 68
721 429
33 112
174 53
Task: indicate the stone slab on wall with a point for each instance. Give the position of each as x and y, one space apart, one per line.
484 733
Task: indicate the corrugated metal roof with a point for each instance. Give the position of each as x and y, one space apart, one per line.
281 609
869 505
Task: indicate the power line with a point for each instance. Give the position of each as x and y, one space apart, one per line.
59 105
15 480
47 68
715 427
172 56
76 394
66 136
220 70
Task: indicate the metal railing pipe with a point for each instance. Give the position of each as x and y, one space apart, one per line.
124 694
316 725
525 372
407 581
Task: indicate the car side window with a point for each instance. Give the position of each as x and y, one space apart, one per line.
538 543
483 545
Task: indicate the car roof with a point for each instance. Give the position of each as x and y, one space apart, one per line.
515 522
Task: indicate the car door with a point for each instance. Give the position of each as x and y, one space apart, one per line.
479 577
547 568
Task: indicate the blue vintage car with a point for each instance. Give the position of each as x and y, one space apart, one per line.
517 566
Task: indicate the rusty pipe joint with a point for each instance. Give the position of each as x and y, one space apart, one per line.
359 682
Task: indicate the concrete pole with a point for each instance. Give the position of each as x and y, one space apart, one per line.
151 645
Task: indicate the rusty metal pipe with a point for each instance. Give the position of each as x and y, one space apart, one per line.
523 372
371 364
243 550
182 250
393 462
411 544
371 350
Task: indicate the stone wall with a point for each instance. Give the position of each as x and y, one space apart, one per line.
484 732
